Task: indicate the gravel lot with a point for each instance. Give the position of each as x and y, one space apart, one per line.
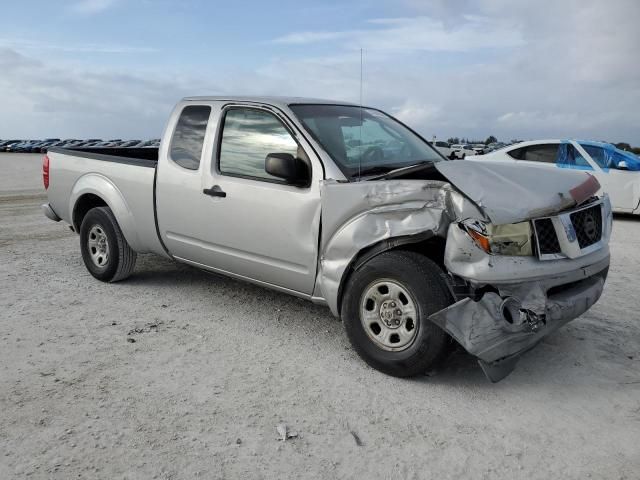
177 373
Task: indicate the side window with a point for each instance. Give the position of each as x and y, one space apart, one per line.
569 157
578 159
518 153
188 137
546 153
598 154
248 136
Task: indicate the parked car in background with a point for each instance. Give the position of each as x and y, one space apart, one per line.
463 150
617 171
445 149
21 147
129 143
7 143
479 148
492 147
37 147
62 143
66 142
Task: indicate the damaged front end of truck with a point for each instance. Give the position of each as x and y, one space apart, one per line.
521 257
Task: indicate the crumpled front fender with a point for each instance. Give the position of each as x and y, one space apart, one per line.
361 214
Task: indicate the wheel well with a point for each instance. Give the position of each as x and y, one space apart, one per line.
85 203
425 244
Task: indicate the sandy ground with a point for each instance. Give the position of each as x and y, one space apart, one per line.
217 364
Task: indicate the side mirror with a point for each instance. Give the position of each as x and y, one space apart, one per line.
622 165
284 165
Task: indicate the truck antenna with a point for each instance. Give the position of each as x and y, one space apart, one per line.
360 146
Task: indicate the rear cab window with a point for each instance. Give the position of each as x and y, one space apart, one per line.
188 137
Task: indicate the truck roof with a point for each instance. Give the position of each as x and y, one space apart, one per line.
268 100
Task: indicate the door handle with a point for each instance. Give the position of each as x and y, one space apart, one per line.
215 191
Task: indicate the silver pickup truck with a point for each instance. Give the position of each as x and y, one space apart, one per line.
346 206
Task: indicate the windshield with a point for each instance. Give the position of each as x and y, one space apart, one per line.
364 141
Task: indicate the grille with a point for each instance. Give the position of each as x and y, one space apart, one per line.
588 225
547 238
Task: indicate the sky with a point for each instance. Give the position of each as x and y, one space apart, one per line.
467 68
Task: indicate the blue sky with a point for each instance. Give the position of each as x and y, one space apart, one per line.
514 69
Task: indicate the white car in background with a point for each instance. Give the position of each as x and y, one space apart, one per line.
463 150
479 148
617 171
445 149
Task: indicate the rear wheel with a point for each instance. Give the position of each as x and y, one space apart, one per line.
105 251
385 311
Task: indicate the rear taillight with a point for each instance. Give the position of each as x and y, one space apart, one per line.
45 171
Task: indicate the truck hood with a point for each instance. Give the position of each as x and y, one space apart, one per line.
510 193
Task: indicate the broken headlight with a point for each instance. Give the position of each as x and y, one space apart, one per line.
510 239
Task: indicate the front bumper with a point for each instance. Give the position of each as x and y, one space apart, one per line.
511 318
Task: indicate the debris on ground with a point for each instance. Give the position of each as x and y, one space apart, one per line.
356 437
131 340
284 432
149 327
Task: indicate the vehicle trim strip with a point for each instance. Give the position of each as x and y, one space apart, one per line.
138 162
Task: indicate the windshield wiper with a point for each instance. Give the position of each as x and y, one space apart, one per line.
373 170
402 170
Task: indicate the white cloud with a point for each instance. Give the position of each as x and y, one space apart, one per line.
302 38
92 6
40 100
20 44
414 113
417 34
502 67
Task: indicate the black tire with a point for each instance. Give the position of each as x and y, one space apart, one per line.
422 278
121 259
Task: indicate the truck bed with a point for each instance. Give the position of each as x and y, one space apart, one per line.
123 177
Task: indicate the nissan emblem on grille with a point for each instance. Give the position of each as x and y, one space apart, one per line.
590 226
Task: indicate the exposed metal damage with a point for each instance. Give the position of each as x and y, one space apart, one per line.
513 299
379 211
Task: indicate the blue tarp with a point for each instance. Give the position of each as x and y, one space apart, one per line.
604 154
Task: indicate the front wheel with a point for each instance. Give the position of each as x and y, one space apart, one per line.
385 311
105 251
